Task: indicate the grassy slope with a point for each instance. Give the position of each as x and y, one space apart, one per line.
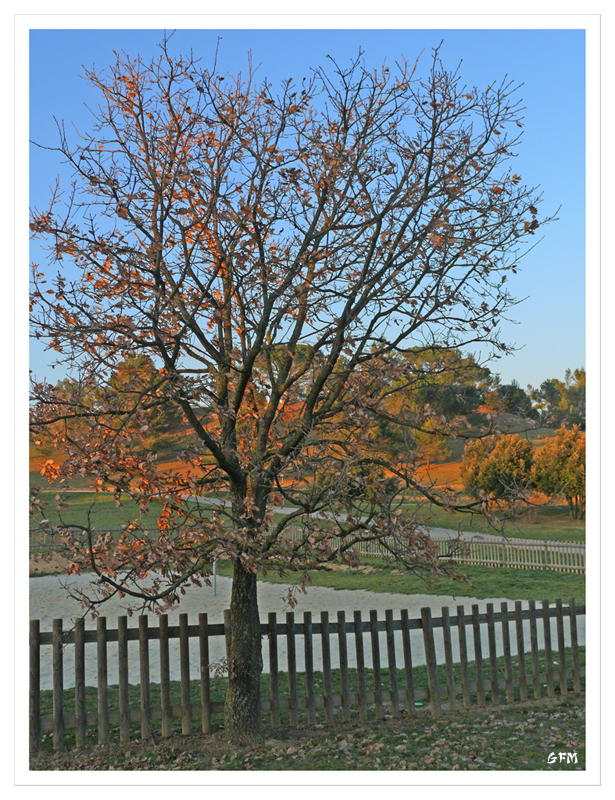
483 582
550 523
103 511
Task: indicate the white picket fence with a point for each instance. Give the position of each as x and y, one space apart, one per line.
482 551
512 553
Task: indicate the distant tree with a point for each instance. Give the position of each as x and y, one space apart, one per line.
450 382
559 469
497 468
440 390
510 398
136 386
547 399
562 402
133 393
574 397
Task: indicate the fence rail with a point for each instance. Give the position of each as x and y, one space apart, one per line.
381 678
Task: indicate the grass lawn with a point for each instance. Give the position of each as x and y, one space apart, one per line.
104 513
551 523
506 737
482 582
518 737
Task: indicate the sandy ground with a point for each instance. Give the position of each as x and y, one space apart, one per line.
44 564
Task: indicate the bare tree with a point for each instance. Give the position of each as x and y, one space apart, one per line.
281 259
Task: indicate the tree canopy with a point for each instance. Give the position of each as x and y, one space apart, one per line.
559 469
510 398
275 256
562 402
498 468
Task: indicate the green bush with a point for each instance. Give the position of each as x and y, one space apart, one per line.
497 467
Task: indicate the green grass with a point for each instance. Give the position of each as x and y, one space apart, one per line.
420 729
103 511
77 482
482 582
517 737
551 523
512 738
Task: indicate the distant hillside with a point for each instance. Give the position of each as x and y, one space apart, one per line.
167 446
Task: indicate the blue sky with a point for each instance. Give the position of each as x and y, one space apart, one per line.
549 63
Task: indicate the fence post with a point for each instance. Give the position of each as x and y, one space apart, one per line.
358 638
204 665
373 628
165 677
463 658
58 685
146 730
534 648
309 667
273 670
520 651
493 657
35 685
122 655
101 654
406 642
343 648
292 669
184 667
431 663
80 682
546 623
561 647
508 676
448 657
478 657
326 665
574 645
392 662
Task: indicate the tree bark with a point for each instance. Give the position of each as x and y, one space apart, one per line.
242 707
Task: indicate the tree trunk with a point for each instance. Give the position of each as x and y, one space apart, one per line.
241 710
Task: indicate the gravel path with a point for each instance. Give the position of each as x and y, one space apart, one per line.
48 600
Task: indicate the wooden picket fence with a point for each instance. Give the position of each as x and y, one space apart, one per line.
391 690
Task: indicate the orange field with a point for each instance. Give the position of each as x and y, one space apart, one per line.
440 474
448 474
